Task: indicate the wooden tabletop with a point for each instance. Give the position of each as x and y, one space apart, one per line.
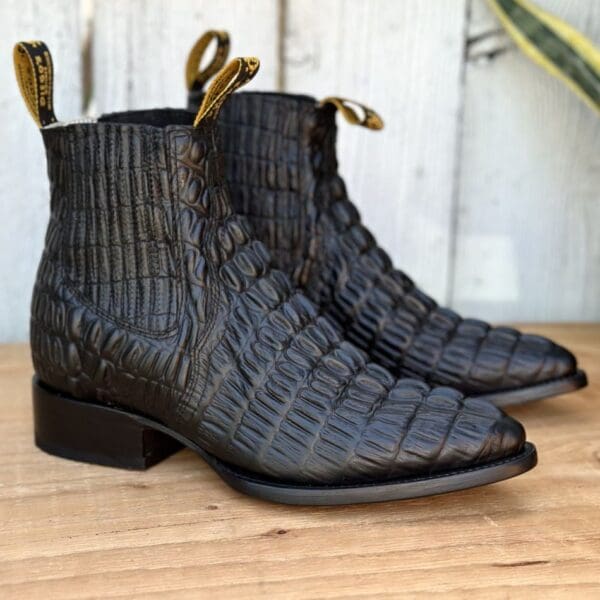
70 530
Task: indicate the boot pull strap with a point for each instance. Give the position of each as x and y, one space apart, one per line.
368 117
35 76
194 78
236 74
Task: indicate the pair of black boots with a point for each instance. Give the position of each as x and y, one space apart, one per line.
302 367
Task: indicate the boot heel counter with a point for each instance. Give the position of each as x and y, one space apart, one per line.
48 344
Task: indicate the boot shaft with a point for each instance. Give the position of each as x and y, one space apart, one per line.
279 152
112 220
140 228
282 170
125 285
119 195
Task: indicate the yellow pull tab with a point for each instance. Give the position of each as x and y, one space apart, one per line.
236 74
35 76
369 118
194 78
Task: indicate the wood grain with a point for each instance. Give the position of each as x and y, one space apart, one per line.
140 46
70 530
528 206
23 180
404 59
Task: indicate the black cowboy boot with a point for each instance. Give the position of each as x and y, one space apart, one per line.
158 322
282 171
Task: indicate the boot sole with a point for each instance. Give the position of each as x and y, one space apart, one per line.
92 433
538 391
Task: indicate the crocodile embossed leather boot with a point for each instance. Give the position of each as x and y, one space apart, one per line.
158 322
282 169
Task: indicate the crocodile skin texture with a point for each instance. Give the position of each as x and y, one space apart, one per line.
282 168
116 256
152 296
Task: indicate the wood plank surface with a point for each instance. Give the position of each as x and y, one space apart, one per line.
70 530
23 179
140 46
527 243
404 59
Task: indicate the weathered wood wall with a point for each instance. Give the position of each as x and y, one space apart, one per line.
528 205
484 185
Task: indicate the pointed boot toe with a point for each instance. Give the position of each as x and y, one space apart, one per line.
513 368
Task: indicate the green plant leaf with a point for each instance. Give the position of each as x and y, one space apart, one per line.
554 45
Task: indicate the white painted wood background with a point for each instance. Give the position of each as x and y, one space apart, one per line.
484 185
